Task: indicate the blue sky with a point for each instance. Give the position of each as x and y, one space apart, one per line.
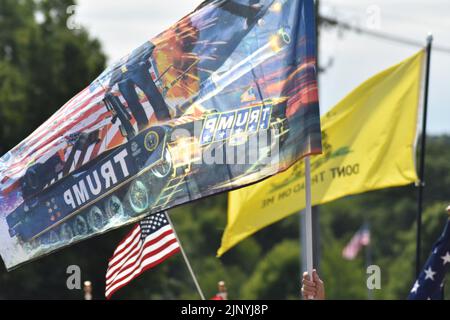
123 25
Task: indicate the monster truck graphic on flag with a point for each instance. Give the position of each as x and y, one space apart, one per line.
164 126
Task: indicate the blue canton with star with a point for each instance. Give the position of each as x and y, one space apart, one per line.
430 284
152 223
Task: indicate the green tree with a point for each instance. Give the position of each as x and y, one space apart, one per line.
276 275
42 64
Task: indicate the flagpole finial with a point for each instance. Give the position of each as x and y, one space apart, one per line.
430 37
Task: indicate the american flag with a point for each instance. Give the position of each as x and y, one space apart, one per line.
430 284
359 240
150 242
86 112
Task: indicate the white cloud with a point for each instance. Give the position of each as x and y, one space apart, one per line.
357 57
123 25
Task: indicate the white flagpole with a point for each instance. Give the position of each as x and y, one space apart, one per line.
308 219
191 271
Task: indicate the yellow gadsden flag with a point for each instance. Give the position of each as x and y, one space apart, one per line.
368 144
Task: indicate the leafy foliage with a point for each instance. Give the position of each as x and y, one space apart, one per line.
43 64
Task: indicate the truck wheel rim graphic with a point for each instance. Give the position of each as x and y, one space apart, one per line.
52 237
33 244
66 232
139 199
114 207
81 225
162 169
96 219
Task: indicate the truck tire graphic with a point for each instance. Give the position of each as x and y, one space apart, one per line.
96 219
66 232
114 207
51 238
138 197
81 225
164 167
33 244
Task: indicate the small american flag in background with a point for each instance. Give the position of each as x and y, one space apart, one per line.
150 242
359 240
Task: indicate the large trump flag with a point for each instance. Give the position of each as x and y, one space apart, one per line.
224 98
368 143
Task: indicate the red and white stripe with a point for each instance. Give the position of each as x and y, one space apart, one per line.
52 131
85 112
49 139
50 134
133 256
359 240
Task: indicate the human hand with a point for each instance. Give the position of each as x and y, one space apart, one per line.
312 288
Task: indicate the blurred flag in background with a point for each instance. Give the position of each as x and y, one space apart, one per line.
359 240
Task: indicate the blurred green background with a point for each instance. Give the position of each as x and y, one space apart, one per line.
43 64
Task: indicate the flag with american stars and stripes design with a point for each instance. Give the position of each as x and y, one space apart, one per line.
224 98
148 244
359 240
430 283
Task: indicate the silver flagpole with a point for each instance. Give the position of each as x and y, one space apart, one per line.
200 292
308 219
423 141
